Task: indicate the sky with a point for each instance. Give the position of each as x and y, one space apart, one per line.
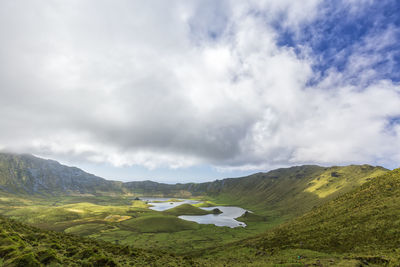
192 91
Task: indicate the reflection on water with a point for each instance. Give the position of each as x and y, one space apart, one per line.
226 218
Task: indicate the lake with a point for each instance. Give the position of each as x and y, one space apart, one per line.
226 218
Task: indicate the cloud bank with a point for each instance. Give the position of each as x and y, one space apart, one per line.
249 85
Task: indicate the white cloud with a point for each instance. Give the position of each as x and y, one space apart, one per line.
134 83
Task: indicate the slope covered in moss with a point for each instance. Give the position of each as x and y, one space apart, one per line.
359 228
364 220
22 245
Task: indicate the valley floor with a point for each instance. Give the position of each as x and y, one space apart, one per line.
124 221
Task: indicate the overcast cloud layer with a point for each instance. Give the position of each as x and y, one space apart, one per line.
242 85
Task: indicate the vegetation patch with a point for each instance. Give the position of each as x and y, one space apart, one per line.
205 204
159 223
336 178
251 217
139 204
116 218
87 229
186 209
174 200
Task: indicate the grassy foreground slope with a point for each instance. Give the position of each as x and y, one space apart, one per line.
362 225
22 245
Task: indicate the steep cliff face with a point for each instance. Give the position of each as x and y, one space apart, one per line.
26 174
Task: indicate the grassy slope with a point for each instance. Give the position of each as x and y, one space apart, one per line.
249 217
158 224
22 245
293 191
362 226
367 219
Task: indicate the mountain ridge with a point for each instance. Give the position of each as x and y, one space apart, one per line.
27 174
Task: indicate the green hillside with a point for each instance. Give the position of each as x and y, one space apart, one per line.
22 245
362 226
294 190
364 220
159 224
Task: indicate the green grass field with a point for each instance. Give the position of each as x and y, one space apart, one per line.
128 222
158 224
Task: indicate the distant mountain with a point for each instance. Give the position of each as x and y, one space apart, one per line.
26 174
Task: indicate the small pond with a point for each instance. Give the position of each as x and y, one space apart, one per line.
226 218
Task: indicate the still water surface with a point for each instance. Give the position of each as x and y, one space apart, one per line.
226 218
166 205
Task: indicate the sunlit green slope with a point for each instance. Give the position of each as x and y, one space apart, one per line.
366 219
362 226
